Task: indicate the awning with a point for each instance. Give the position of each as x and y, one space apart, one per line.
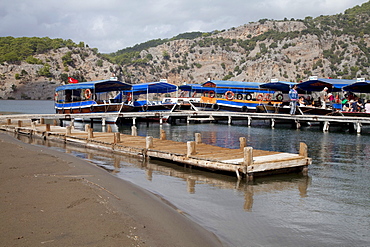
358 87
334 85
97 86
152 87
283 86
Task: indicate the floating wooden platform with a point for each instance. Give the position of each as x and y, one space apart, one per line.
352 122
243 161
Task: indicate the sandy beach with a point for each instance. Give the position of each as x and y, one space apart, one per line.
49 198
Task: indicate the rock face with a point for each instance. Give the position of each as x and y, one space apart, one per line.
286 50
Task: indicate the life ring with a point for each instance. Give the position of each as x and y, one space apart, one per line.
229 95
239 96
56 97
248 96
211 94
267 97
279 97
215 107
260 97
88 94
129 96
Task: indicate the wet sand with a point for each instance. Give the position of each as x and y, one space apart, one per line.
49 198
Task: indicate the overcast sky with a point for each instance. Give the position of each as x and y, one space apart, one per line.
111 25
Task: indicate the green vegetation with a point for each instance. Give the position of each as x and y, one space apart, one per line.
14 50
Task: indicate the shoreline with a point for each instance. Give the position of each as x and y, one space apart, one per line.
49 197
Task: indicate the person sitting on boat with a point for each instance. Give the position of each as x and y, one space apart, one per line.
301 101
293 95
367 106
353 105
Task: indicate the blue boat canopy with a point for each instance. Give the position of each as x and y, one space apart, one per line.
283 86
98 86
334 85
152 87
195 88
358 87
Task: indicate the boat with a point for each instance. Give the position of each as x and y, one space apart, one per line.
153 96
233 96
85 98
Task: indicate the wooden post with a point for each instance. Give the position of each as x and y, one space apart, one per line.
198 138
298 124
42 121
90 134
160 120
243 142
272 123
326 126
163 135
248 156
8 121
133 121
134 130
229 121
109 128
47 127
19 123
103 121
68 130
55 122
249 121
149 142
358 127
190 148
72 122
117 137
87 127
303 150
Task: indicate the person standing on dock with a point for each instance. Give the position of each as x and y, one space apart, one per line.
293 95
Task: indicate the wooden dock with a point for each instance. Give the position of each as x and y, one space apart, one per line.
353 123
244 161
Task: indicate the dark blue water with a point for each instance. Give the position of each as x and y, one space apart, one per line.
330 207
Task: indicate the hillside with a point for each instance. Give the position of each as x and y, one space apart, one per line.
335 46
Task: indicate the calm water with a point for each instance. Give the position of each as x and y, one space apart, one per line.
330 207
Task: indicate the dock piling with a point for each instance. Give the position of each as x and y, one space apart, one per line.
133 130
117 137
303 150
248 156
198 138
68 130
109 128
90 133
8 121
163 135
243 142
47 128
19 123
87 127
149 142
190 148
